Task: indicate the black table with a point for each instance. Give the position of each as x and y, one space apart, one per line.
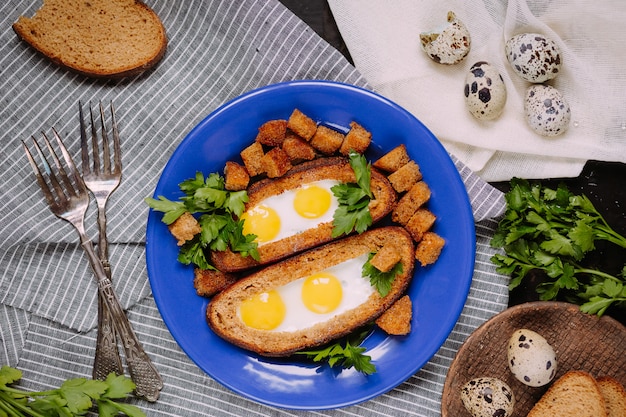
602 182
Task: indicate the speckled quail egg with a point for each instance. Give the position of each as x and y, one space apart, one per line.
534 57
448 44
531 358
488 397
485 92
547 112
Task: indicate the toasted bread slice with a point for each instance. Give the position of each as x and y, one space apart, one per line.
337 168
222 311
96 38
614 396
574 394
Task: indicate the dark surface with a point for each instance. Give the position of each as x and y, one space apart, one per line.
602 182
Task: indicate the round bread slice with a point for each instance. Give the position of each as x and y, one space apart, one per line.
334 168
222 311
96 38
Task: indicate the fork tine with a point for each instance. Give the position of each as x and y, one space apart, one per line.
94 144
62 173
84 146
80 185
117 151
106 153
40 180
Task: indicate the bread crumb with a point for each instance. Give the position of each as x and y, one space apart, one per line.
208 282
429 248
385 259
421 222
417 196
327 140
298 149
405 177
275 163
272 133
393 160
302 125
251 157
236 176
397 319
357 139
184 228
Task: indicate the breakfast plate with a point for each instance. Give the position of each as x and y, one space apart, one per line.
581 342
438 291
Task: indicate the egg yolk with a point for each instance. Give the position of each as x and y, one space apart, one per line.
261 221
264 311
321 292
311 202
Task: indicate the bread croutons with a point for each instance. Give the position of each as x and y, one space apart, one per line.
429 248
397 319
301 124
417 196
393 160
327 140
385 259
236 177
208 282
420 223
184 228
272 133
275 163
298 149
405 176
251 157
357 139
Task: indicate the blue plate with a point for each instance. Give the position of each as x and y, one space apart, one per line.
438 292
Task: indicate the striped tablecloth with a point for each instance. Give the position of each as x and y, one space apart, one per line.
217 50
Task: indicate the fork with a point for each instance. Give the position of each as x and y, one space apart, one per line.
102 181
68 198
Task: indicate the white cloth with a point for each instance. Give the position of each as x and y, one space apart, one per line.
383 40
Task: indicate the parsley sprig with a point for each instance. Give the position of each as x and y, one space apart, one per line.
552 230
346 354
353 213
380 280
219 208
73 398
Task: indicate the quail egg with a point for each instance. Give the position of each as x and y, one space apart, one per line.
534 57
547 112
488 397
485 92
450 44
531 358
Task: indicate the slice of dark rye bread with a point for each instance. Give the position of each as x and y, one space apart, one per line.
335 168
96 38
222 314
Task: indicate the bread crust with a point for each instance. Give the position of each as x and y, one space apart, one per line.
29 30
337 168
222 315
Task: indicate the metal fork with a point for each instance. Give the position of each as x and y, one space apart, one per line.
68 199
102 180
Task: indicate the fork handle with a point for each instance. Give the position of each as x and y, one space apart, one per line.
148 382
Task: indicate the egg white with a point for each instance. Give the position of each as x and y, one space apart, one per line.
291 223
355 288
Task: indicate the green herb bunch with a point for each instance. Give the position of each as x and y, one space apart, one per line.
219 210
353 213
552 231
345 354
75 397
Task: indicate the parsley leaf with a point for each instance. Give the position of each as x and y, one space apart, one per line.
217 208
353 213
344 356
74 397
551 230
380 280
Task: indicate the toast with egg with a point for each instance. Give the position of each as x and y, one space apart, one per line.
227 319
323 169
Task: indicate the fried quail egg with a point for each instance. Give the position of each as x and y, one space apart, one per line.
308 300
534 57
291 212
485 92
488 397
531 358
449 44
547 112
